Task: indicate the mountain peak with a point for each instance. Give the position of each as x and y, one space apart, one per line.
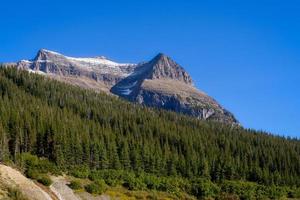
160 57
44 54
46 51
164 67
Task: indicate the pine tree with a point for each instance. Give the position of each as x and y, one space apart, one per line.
4 153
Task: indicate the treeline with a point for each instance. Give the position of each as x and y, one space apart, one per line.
101 181
76 127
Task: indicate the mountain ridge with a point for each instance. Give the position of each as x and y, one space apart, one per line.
160 82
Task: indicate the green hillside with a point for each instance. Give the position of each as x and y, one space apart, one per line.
97 136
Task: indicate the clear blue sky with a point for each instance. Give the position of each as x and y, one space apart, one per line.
246 54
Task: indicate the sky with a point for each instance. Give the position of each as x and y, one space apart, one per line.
245 54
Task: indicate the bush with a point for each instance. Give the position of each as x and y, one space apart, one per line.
250 190
108 174
113 182
134 183
31 173
275 192
45 180
203 188
40 165
151 182
111 177
245 190
41 178
45 166
28 160
174 185
225 196
15 194
75 185
97 187
81 172
294 193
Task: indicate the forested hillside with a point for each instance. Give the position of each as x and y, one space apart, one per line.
76 127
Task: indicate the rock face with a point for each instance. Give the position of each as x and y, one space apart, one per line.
160 83
101 70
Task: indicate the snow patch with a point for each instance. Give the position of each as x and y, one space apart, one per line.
36 72
132 85
98 61
52 52
93 60
126 91
43 61
26 61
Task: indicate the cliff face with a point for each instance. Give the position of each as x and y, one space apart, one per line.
163 67
163 83
160 83
104 72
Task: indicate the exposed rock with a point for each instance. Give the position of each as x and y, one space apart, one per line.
164 84
98 69
15 179
60 188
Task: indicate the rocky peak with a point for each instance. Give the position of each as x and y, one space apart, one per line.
163 67
44 54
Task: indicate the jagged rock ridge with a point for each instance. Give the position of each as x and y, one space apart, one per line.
103 71
160 83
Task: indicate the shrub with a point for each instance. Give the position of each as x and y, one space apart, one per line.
245 190
111 177
97 187
112 182
151 182
81 172
275 192
294 193
134 183
29 161
203 188
15 194
41 178
45 166
45 180
75 185
225 196
32 173
40 165
108 174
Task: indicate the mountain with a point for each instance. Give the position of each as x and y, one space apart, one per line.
160 83
163 83
48 128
